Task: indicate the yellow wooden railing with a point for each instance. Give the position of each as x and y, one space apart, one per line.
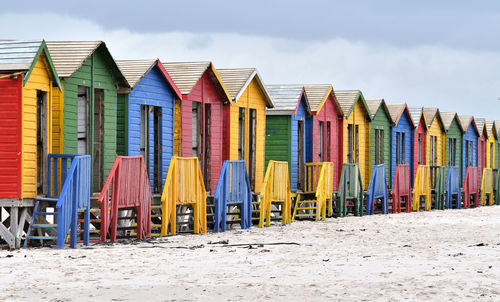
322 184
276 189
487 185
184 186
422 187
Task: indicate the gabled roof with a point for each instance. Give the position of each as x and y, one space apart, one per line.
448 117
69 56
348 99
135 70
238 79
187 74
317 94
21 56
466 121
286 99
491 129
397 110
375 104
481 126
430 114
416 113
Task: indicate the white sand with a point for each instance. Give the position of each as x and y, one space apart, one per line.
427 256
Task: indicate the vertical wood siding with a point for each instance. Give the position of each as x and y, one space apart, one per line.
420 130
252 98
328 113
436 129
403 126
294 159
122 124
454 132
491 140
358 117
152 90
177 128
206 92
57 118
10 137
38 80
470 135
95 73
381 121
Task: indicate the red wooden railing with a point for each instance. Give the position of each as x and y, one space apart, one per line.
129 186
401 188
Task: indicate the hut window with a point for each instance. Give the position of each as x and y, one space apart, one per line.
98 136
328 149
379 146
252 128
452 146
196 129
492 156
349 143
300 155
144 134
82 127
41 140
241 134
419 150
356 144
320 139
400 148
433 155
157 181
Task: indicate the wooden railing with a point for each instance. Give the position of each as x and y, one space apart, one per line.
487 187
276 189
471 186
401 188
127 187
422 187
319 179
453 187
184 187
350 188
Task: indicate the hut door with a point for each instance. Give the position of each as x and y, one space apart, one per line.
157 181
241 134
300 154
82 120
144 134
206 145
320 141
98 133
252 126
328 146
42 150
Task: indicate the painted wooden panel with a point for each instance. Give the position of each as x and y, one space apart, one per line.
251 98
454 132
10 137
95 73
403 126
206 92
358 117
471 136
38 80
57 118
177 129
328 113
436 129
381 122
278 144
421 129
300 115
122 124
152 90
491 146
481 151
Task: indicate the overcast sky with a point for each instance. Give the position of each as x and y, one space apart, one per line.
444 54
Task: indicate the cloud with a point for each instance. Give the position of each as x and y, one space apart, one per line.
452 79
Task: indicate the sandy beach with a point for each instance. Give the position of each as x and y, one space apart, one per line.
451 255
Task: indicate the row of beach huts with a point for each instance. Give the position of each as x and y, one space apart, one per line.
93 148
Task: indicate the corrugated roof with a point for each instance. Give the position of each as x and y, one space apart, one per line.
416 113
238 79
374 105
186 74
447 118
348 98
395 111
135 70
480 123
18 55
68 56
490 126
286 98
316 94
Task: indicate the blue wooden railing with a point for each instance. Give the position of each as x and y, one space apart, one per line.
377 190
233 188
453 187
74 195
